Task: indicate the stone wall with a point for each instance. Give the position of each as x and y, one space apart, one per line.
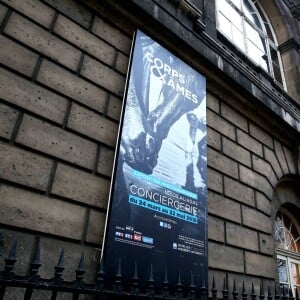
63 68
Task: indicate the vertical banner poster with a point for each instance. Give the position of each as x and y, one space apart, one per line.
157 215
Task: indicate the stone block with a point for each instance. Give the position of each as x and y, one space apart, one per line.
261 135
263 203
225 258
86 41
80 186
33 9
122 63
112 35
103 75
17 57
263 167
3 11
236 152
32 97
281 157
241 237
72 86
95 228
8 118
223 207
289 158
250 143
222 163
256 181
213 139
92 125
216 229
256 220
266 244
42 41
106 160
215 181
74 10
234 117
212 102
114 107
220 125
239 191
33 211
260 265
272 159
23 167
57 142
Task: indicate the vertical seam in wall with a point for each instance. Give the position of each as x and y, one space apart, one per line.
5 20
37 68
16 128
67 114
53 22
85 224
98 151
90 27
80 63
51 179
286 161
106 104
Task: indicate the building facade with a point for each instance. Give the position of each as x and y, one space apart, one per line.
63 72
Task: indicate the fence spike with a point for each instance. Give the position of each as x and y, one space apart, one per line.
269 294
80 271
150 284
59 268
118 282
179 286
244 293
225 289
203 289
36 263
214 290
135 280
234 291
11 259
100 277
253 295
192 288
166 292
261 292
276 295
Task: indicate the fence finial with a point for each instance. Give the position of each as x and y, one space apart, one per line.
35 263
80 272
261 292
150 285
11 259
165 291
244 293
234 291
253 295
214 290
135 280
59 268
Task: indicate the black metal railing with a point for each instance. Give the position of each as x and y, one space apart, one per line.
119 290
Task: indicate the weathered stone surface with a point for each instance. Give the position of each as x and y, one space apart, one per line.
80 186
272 159
213 139
289 159
222 163
239 191
16 56
215 181
223 207
32 97
281 157
213 102
8 118
103 75
72 86
225 258
114 107
55 141
111 35
266 244
256 220
241 237
86 41
92 125
23 167
263 203
234 117
259 265
33 9
106 160
28 210
216 229
3 11
250 143
261 135
41 40
122 63
236 152
95 229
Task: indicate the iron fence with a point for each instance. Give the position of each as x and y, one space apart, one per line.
119 289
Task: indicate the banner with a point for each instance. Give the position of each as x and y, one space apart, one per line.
158 203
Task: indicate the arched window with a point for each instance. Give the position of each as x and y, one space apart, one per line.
287 238
245 24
